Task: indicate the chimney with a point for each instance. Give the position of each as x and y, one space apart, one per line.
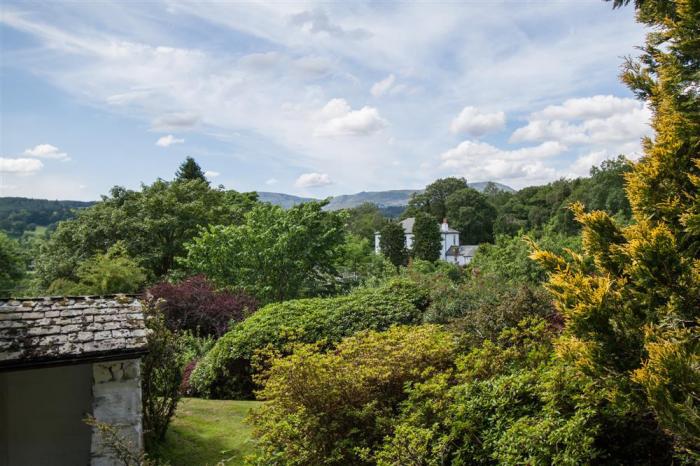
444 226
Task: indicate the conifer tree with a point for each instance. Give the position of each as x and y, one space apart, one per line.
426 242
392 242
189 170
633 312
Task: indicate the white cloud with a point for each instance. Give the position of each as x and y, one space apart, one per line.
338 119
20 165
211 174
381 87
473 121
597 120
168 140
111 58
598 106
312 180
271 181
46 151
480 161
582 165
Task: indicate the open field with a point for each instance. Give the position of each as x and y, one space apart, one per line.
206 432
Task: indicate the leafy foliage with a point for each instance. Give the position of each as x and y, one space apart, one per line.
433 200
633 309
508 258
472 214
12 264
161 376
153 224
364 221
274 254
226 371
359 265
195 305
509 403
426 238
108 273
392 243
334 408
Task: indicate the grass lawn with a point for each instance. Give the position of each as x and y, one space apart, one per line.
206 432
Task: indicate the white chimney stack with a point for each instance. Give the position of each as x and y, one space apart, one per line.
444 226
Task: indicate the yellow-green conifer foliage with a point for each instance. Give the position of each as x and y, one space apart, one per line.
633 315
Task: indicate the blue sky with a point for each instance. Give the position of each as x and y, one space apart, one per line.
311 98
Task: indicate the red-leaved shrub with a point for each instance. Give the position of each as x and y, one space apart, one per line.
194 304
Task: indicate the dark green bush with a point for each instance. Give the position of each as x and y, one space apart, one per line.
226 371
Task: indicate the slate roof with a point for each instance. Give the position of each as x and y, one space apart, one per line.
42 331
408 223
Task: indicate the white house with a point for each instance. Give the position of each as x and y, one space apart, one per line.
450 251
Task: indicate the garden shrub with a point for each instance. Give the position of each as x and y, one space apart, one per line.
161 376
489 317
226 370
336 407
515 401
195 305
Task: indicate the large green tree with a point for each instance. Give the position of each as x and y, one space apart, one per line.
392 242
472 214
365 220
274 254
433 199
633 316
153 224
426 238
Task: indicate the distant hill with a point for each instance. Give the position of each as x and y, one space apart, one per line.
389 201
283 200
20 214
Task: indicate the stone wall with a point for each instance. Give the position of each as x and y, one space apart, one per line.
117 402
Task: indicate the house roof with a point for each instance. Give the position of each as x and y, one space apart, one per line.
54 331
408 223
466 251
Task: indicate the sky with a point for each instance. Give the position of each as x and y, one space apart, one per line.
311 98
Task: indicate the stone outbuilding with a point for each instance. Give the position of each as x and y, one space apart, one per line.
61 360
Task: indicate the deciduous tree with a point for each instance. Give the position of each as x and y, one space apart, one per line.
274 254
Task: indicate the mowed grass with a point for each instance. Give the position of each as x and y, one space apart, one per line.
207 432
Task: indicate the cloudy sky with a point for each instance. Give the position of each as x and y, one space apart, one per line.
311 98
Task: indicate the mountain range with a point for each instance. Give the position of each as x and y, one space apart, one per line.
383 199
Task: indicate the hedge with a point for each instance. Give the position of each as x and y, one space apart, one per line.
226 371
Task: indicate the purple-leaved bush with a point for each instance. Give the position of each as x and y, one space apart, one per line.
194 304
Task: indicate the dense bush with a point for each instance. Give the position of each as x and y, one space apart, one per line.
514 402
195 305
335 408
226 370
509 258
112 272
161 376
